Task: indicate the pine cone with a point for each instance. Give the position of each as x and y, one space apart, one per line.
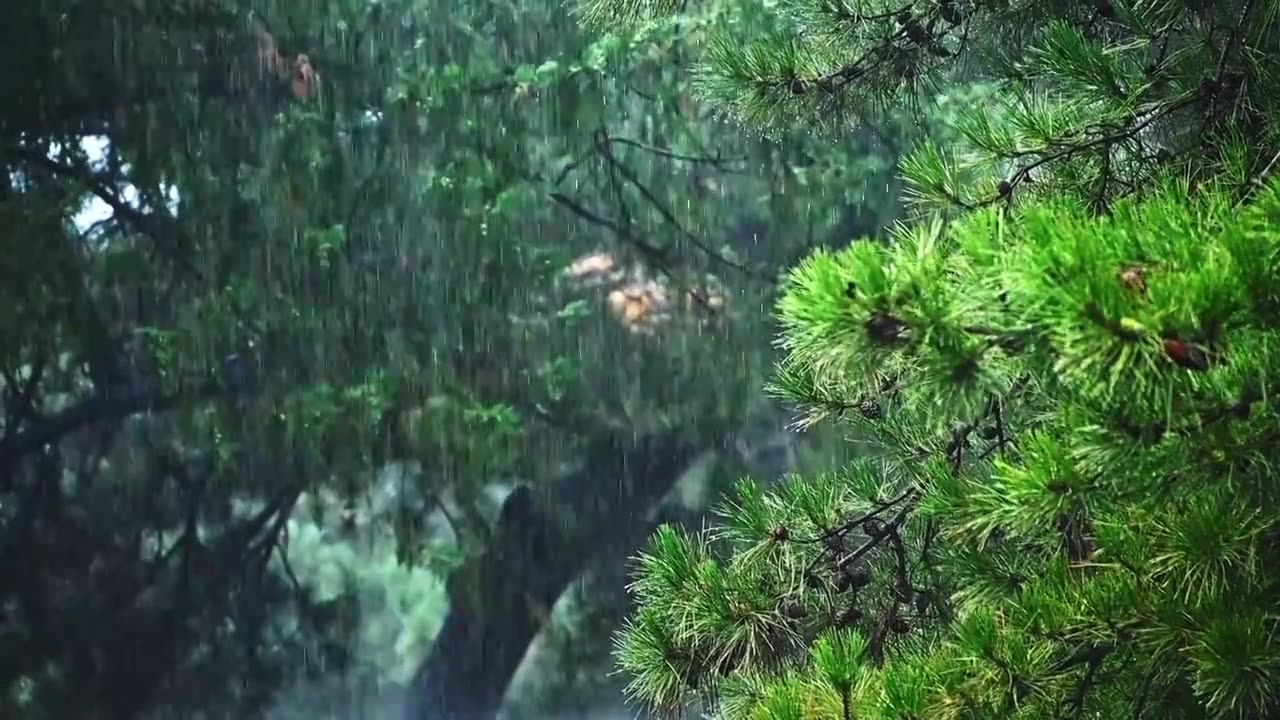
884 329
870 409
1134 278
850 616
874 527
794 610
858 579
843 582
1186 355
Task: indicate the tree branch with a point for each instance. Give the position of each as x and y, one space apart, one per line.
162 230
100 408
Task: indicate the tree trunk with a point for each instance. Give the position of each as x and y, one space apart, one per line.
499 602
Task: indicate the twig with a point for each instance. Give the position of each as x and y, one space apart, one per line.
649 249
874 541
657 256
1258 180
845 527
715 161
603 147
160 230
1021 175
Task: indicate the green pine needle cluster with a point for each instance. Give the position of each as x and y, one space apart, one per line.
1061 371
1093 97
1082 515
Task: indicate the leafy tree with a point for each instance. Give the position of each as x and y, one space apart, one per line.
1059 373
253 254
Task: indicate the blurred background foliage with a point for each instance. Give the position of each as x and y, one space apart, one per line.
293 293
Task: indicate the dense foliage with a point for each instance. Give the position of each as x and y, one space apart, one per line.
287 288
1061 374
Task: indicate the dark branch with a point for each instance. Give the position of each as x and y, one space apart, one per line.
101 408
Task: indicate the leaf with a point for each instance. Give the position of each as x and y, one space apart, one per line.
526 74
547 72
579 308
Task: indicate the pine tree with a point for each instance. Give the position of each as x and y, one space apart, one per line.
1062 368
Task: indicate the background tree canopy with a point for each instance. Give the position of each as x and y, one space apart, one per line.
293 294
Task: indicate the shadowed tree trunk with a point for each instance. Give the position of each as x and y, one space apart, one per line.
498 603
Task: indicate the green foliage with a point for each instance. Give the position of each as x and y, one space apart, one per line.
1087 98
401 606
1060 373
1088 520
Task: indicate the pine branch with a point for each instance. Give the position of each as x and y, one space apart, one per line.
1023 173
1240 410
880 508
